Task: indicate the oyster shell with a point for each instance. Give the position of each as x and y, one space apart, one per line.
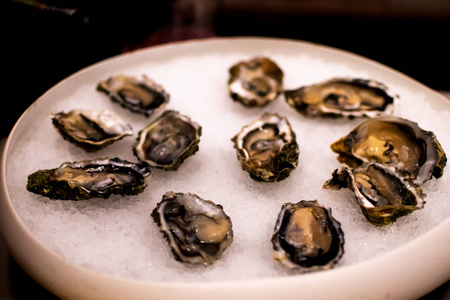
98 178
256 82
168 141
395 142
267 148
382 195
306 237
91 130
142 96
197 230
342 97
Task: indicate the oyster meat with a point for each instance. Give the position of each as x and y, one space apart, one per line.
168 141
342 97
97 178
306 237
91 130
381 193
267 148
197 230
142 96
256 82
395 142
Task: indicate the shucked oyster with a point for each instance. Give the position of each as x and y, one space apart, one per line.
341 97
382 195
98 178
168 141
138 95
198 231
395 142
91 130
267 148
306 237
256 82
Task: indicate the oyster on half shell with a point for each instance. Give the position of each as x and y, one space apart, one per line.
395 142
256 82
267 148
91 130
342 97
168 141
306 237
197 230
142 96
97 178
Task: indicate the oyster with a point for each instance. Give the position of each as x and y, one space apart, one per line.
396 142
168 141
142 96
381 193
256 82
267 148
342 97
197 230
98 178
91 130
306 237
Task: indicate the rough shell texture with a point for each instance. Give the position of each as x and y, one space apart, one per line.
197 230
98 178
382 195
168 141
256 82
267 148
395 142
342 97
142 96
91 130
306 237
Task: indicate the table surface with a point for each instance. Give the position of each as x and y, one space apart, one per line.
15 284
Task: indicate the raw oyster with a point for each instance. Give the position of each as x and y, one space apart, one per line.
382 195
256 82
267 148
98 178
91 130
142 96
197 230
168 141
342 97
306 237
396 142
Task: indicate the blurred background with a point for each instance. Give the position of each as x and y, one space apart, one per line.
42 42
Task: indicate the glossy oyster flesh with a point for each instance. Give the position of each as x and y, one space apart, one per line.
91 130
98 178
395 142
168 141
197 230
142 96
306 237
342 97
256 82
382 195
267 148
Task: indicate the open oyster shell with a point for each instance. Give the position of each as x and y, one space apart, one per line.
342 97
197 230
97 178
395 142
306 237
142 96
267 148
381 193
91 130
256 82
168 141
